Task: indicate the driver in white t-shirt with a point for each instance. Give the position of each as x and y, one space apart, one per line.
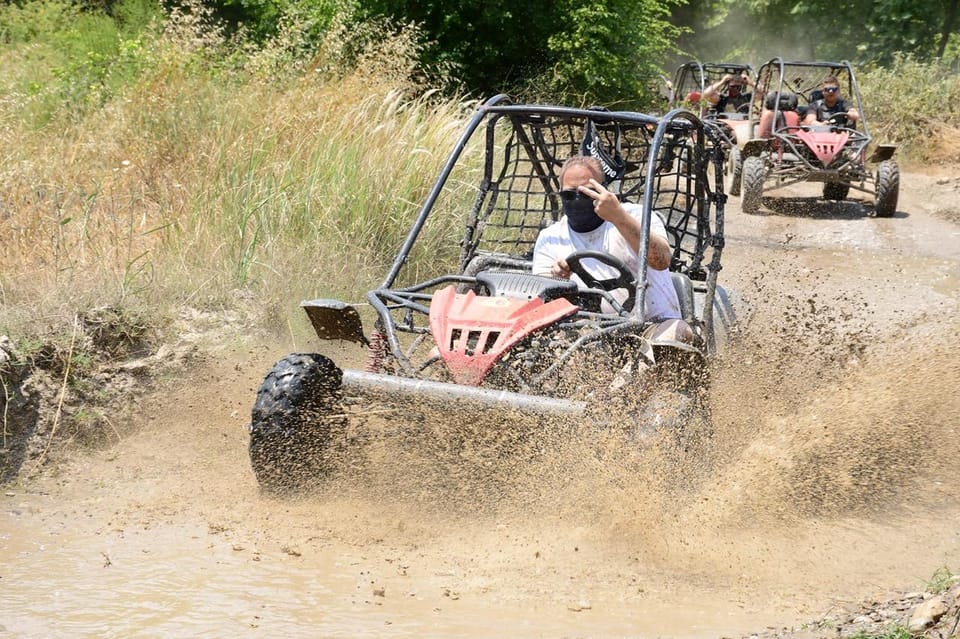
595 220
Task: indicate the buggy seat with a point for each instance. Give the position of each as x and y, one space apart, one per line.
525 285
787 115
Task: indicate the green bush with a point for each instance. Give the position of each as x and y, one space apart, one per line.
61 59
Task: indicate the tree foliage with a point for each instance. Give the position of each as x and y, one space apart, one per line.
863 31
601 51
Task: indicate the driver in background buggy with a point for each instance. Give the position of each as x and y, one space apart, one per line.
828 104
595 220
734 100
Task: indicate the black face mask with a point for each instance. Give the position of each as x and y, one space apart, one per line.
580 213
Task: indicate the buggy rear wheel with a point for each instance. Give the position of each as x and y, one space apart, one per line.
888 188
736 170
294 419
753 175
668 415
835 191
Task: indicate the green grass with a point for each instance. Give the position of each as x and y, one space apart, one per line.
201 174
896 631
941 581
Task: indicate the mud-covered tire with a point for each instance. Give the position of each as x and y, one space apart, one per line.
679 419
736 170
295 419
753 176
835 191
888 188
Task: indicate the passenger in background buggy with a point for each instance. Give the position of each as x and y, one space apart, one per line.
595 220
826 105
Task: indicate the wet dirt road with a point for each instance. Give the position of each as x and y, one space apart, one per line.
832 476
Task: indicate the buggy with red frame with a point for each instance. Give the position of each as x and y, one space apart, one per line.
472 334
834 153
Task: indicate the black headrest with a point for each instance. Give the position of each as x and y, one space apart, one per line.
788 101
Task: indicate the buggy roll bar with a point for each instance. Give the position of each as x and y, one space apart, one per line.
660 129
853 88
497 104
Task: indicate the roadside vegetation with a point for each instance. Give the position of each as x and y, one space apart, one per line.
931 612
160 160
915 105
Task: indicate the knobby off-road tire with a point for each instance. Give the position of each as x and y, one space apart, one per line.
295 419
753 174
736 170
835 191
888 188
678 418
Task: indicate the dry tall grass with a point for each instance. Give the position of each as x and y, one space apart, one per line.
196 183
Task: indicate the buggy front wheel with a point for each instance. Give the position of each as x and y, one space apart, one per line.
294 422
888 188
753 176
736 170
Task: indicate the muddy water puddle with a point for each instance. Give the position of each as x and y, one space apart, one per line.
87 578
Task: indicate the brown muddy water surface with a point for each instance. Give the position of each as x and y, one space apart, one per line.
832 476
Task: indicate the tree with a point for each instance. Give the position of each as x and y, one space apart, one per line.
948 22
611 50
597 50
858 30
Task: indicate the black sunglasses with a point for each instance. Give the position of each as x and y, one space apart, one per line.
830 89
569 195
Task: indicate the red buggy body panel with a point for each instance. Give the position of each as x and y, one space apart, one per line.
472 332
824 144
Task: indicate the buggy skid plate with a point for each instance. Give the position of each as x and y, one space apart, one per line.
451 397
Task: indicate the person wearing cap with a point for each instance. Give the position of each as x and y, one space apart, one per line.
822 110
595 220
733 99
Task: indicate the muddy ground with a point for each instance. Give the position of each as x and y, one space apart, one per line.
827 502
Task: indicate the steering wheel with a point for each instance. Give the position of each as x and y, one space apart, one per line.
838 119
624 279
744 108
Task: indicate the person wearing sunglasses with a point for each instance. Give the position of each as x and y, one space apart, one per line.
595 220
831 108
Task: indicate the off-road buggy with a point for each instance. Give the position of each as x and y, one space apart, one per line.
689 83
473 334
834 154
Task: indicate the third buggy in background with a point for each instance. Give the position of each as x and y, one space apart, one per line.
690 82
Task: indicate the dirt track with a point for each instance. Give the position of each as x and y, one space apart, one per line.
832 479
